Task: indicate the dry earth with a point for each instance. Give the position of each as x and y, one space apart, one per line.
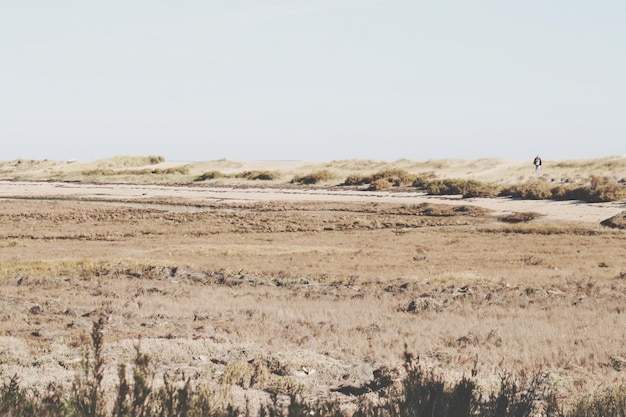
263 289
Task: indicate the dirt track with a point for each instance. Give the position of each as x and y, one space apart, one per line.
569 211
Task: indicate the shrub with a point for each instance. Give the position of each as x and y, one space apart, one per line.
397 177
380 184
600 189
184 170
210 175
313 178
467 188
534 190
382 179
612 403
618 221
521 217
99 172
155 159
421 182
605 189
357 180
259 175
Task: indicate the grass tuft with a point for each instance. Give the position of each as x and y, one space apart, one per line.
313 178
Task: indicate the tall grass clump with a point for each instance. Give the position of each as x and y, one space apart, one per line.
155 159
87 394
423 393
313 178
130 161
210 175
258 175
397 177
182 170
605 189
419 393
598 189
380 184
466 188
382 179
533 190
612 403
357 180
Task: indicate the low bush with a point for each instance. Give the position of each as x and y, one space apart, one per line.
612 403
210 175
377 181
617 222
467 188
258 175
356 180
605 189
380 184
599 189
155 159
184 170
313 178
534 190
397 177
521 217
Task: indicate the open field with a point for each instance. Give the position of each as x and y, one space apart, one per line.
262 288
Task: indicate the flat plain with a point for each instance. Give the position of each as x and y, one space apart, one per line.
263 287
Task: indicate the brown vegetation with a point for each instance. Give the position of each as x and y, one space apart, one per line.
320 297
263 297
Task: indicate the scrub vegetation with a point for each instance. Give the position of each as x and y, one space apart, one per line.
156 300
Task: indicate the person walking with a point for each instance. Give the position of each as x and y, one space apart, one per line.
537 163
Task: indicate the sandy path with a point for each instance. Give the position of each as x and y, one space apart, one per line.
552 210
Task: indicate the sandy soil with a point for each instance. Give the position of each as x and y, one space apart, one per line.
569 211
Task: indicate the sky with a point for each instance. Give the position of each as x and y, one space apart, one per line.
321 80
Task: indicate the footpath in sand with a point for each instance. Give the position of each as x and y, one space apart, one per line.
568 211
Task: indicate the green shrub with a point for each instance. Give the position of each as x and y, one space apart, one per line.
313 178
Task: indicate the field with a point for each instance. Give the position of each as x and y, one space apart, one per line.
261 287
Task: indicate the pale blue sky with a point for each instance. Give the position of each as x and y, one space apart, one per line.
312 80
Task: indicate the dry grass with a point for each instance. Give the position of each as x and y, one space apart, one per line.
496 172
268 296
315 294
